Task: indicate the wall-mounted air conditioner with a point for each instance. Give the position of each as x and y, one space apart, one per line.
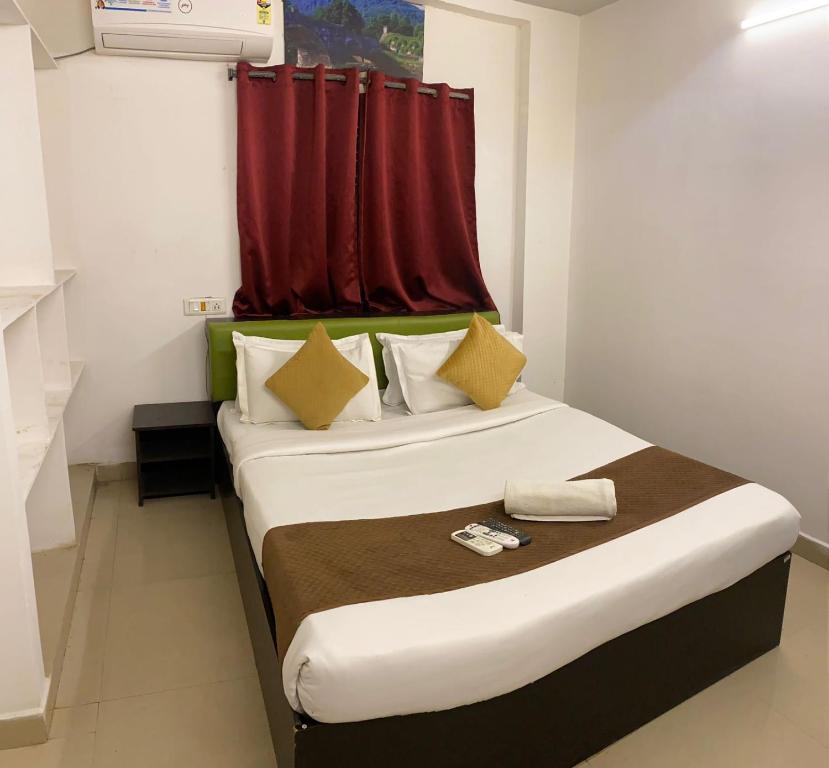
214 30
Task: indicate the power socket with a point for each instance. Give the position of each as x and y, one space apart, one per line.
204 305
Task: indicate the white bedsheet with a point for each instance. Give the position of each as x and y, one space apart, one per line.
434 652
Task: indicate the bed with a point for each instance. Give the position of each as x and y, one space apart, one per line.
559 661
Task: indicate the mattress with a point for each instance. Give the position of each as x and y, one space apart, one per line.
434 652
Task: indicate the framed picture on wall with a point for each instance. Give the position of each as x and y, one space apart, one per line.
370 34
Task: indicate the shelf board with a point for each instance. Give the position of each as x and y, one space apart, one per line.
175 445
33 444
179 479
14 307
58 399
41 57
16 301
12 13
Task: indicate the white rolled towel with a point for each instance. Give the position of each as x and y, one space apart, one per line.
570 501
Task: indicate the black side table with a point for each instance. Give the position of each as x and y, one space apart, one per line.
175 449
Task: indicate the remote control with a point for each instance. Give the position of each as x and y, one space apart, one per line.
477 544
504 539
497 525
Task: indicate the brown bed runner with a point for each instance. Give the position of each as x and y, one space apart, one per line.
312 567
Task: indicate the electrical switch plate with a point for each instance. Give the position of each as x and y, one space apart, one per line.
204 305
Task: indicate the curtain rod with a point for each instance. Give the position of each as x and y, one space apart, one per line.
267 75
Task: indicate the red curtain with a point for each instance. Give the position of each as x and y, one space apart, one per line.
418 231
298 196
296 200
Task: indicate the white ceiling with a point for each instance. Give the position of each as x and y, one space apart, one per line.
579 7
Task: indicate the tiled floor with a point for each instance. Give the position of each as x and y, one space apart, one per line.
159 670
55 570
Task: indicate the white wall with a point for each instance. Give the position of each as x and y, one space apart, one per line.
548 69
495 78
699 298
25 250
140 161
140 174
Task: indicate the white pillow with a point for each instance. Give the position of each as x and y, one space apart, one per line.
258 358
241 342
417 366
394 394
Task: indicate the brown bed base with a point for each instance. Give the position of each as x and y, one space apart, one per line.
556 722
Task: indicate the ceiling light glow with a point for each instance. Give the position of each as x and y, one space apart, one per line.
795 10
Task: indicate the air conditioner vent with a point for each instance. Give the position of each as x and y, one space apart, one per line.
205 46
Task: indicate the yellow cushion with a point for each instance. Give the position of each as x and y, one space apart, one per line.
484 366
317 382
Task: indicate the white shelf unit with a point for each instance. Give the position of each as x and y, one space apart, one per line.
42 379
42 532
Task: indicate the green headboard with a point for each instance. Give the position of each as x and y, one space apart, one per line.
222 354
